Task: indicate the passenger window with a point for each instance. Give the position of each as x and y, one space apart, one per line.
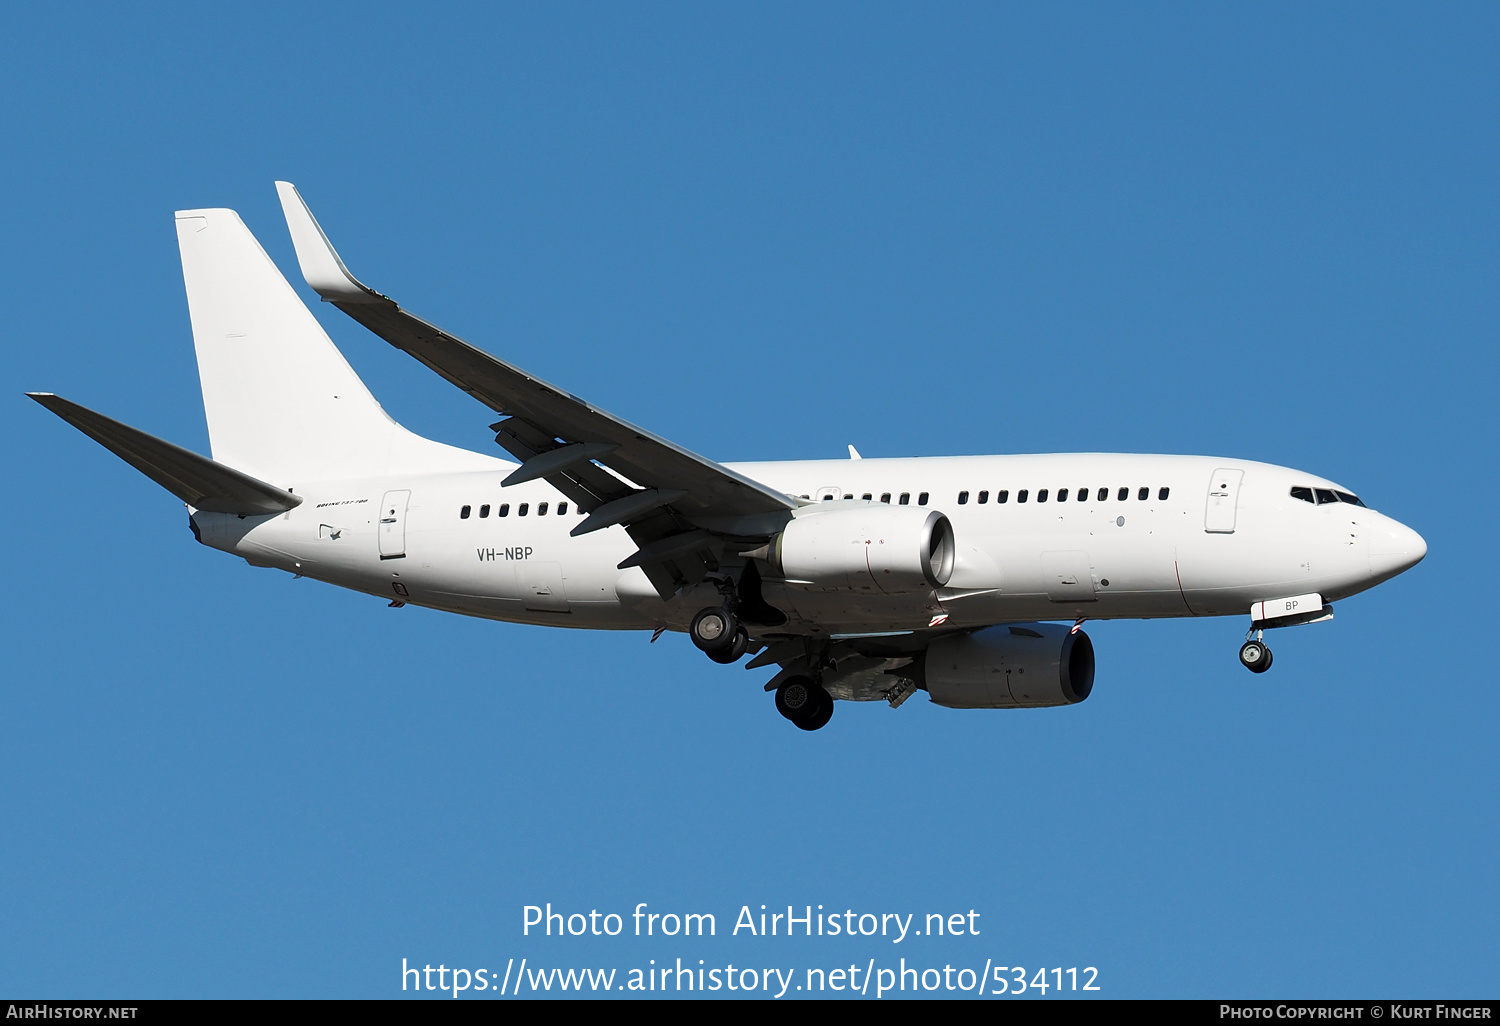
504 510
1162 493
1353 500
1001 496
541 509
1083 495
905 498
1103 494
1325 496
1124 494
885 497
828 496
1143 494
963 498
463 514
562 509
807 496
849 496
521 510
484 511
1041 496
1021 495
922 499
984 497
1062 495
865 496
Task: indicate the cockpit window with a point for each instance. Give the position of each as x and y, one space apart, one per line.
1323 496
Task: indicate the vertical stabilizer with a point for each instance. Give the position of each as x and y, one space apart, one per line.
282 403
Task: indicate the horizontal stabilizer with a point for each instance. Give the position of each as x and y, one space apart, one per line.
196 480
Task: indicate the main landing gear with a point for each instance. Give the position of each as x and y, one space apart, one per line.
804 701
717 631
1254 653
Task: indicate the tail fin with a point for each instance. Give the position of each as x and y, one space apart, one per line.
282 402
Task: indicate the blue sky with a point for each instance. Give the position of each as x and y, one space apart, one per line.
764 232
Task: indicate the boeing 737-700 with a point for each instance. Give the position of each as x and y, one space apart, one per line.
861 579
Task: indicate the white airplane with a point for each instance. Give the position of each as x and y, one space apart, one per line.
862 579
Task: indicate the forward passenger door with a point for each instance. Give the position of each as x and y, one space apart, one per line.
1223 501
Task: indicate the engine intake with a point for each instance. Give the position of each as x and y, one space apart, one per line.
873 548
1016 666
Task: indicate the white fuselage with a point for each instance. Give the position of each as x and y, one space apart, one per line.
1190 547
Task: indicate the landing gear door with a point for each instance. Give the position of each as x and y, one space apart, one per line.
393 524
1223 501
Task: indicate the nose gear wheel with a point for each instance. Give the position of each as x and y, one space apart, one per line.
1255 656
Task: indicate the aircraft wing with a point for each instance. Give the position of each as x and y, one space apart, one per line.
660 491
556 418
196 480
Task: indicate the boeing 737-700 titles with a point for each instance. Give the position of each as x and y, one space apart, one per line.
861 579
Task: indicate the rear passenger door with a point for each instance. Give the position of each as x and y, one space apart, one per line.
393 524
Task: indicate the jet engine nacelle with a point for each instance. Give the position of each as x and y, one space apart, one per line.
873 548
1017 666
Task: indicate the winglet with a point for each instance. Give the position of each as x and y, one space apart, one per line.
320 263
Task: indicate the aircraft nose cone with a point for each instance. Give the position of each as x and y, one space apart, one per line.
1394 547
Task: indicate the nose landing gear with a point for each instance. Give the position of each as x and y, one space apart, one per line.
1254 653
